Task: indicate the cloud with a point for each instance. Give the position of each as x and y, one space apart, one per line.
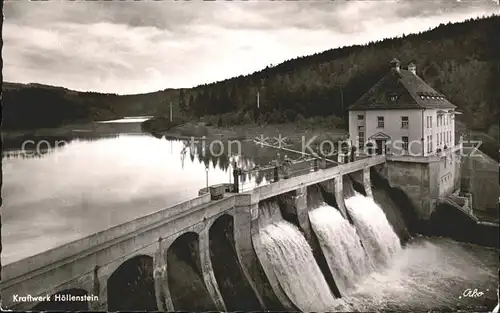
134 47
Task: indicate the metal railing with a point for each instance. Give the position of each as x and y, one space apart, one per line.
269 173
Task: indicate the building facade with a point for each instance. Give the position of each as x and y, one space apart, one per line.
404 118
403 115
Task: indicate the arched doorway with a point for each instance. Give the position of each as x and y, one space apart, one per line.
131 286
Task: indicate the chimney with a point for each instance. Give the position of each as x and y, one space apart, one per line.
412 68
395 64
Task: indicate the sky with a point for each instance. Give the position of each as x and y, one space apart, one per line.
129 47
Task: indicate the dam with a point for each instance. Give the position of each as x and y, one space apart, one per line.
305 242
392 230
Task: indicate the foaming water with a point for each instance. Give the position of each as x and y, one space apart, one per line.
378 237
429 273
291 260
341 245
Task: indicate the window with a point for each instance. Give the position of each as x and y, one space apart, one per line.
427 121
445 161
405 143
429 144
404 122
361 140
430 121
361 117
380 122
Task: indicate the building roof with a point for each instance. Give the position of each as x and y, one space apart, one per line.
401 89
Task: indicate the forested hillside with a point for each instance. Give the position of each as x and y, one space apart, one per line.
460 60
36 106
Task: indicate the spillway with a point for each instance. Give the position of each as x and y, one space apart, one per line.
379 239
341 245
288 256
370 267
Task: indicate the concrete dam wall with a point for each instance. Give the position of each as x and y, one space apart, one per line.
301 244
287 239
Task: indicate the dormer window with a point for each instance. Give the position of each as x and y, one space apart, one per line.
422 97
393 98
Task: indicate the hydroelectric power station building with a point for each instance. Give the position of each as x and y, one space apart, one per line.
404 118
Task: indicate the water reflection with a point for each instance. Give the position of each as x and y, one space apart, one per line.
95 181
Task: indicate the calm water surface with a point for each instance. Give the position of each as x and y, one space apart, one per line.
91 185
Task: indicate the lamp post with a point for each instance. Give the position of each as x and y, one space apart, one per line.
229 168
206 171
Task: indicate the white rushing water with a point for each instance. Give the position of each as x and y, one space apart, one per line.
292 261
429 273
341 246
379 239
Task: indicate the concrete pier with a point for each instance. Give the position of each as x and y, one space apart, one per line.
339 196
294 203
367 182
208 271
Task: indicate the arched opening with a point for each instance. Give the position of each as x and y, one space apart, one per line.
356 185
328 196
331 200
66 300
393 211
396 205
131 286
185 280
287 207
233 285
347 187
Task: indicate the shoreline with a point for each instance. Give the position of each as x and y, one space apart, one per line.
290 133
